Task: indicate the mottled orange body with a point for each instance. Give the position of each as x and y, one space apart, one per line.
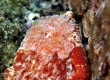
51 50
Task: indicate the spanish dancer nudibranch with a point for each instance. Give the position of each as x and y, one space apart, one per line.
51 50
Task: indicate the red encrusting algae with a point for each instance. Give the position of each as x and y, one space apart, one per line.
51 50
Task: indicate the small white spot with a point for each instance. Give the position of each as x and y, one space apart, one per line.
32 15
26 74
48 35
8 78
36 75
69 60
55 69
70 14
18 64
85 64
11 71
48 79
39 67
82 66
85 57
78 65
100 66
58 78
23 65
83 69
70 77
69 66
33 62
28 58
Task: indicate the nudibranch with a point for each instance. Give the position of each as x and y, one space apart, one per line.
51 50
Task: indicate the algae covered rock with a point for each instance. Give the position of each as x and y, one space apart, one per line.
12 29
